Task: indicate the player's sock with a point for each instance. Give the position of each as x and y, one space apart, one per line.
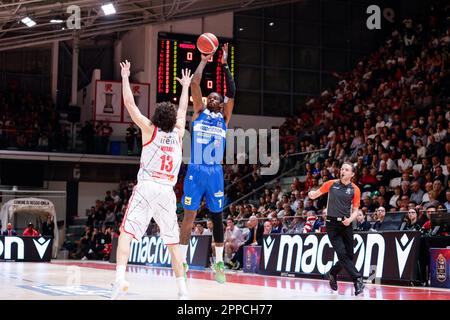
183 250
219 254
120 272
181 284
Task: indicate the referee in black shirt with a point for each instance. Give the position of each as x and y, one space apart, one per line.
342 208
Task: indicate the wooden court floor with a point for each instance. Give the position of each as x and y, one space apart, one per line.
89 280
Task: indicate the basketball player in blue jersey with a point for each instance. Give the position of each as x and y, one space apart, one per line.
204 176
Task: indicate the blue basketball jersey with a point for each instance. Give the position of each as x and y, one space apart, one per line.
208 138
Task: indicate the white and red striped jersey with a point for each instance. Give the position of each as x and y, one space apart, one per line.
161 158
309 225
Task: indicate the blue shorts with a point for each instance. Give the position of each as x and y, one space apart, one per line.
203 180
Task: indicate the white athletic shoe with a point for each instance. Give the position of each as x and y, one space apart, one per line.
119 289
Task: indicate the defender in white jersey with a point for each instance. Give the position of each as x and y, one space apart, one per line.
153 196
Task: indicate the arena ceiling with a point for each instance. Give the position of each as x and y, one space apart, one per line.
129 14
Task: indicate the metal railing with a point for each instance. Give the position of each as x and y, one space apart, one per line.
295 168
260 187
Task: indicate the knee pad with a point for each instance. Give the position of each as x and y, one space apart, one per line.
216 219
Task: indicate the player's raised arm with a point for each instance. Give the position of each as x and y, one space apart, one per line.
231 86
185 81
195 85
141 121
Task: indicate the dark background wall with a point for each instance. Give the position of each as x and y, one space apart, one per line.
30 69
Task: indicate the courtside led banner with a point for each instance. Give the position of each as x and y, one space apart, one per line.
152 251
25 249
385 255
440 267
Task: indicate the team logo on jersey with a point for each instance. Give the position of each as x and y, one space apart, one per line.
187 201
218 194
348 191
167 140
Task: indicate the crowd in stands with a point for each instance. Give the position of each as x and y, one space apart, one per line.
390 116
102 225
96 138
30 122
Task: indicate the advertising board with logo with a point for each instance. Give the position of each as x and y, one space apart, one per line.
385 256
152 251
252 259
108 102
25 249
440 267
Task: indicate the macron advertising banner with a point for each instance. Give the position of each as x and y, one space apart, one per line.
152 251
25 249
385 255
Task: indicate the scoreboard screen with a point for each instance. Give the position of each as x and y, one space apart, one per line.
179 51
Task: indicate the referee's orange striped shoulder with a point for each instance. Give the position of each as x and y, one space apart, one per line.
327 185
356 196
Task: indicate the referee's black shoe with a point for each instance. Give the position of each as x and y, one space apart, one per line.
359 286
333 282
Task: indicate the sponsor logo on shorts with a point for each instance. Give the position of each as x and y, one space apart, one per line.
187 201
218 194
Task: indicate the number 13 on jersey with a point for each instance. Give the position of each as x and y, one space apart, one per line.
166 163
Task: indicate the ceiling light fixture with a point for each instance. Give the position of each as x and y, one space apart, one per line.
28 21
108 9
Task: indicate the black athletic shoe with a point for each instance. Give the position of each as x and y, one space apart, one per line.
359 286
333 282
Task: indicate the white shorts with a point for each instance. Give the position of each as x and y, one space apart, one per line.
152 200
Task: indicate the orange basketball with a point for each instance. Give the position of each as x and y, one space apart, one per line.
207 43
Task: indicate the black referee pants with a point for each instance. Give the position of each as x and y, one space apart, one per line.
341 238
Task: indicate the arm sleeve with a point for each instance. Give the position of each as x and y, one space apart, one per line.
231 86
326 186
356 196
